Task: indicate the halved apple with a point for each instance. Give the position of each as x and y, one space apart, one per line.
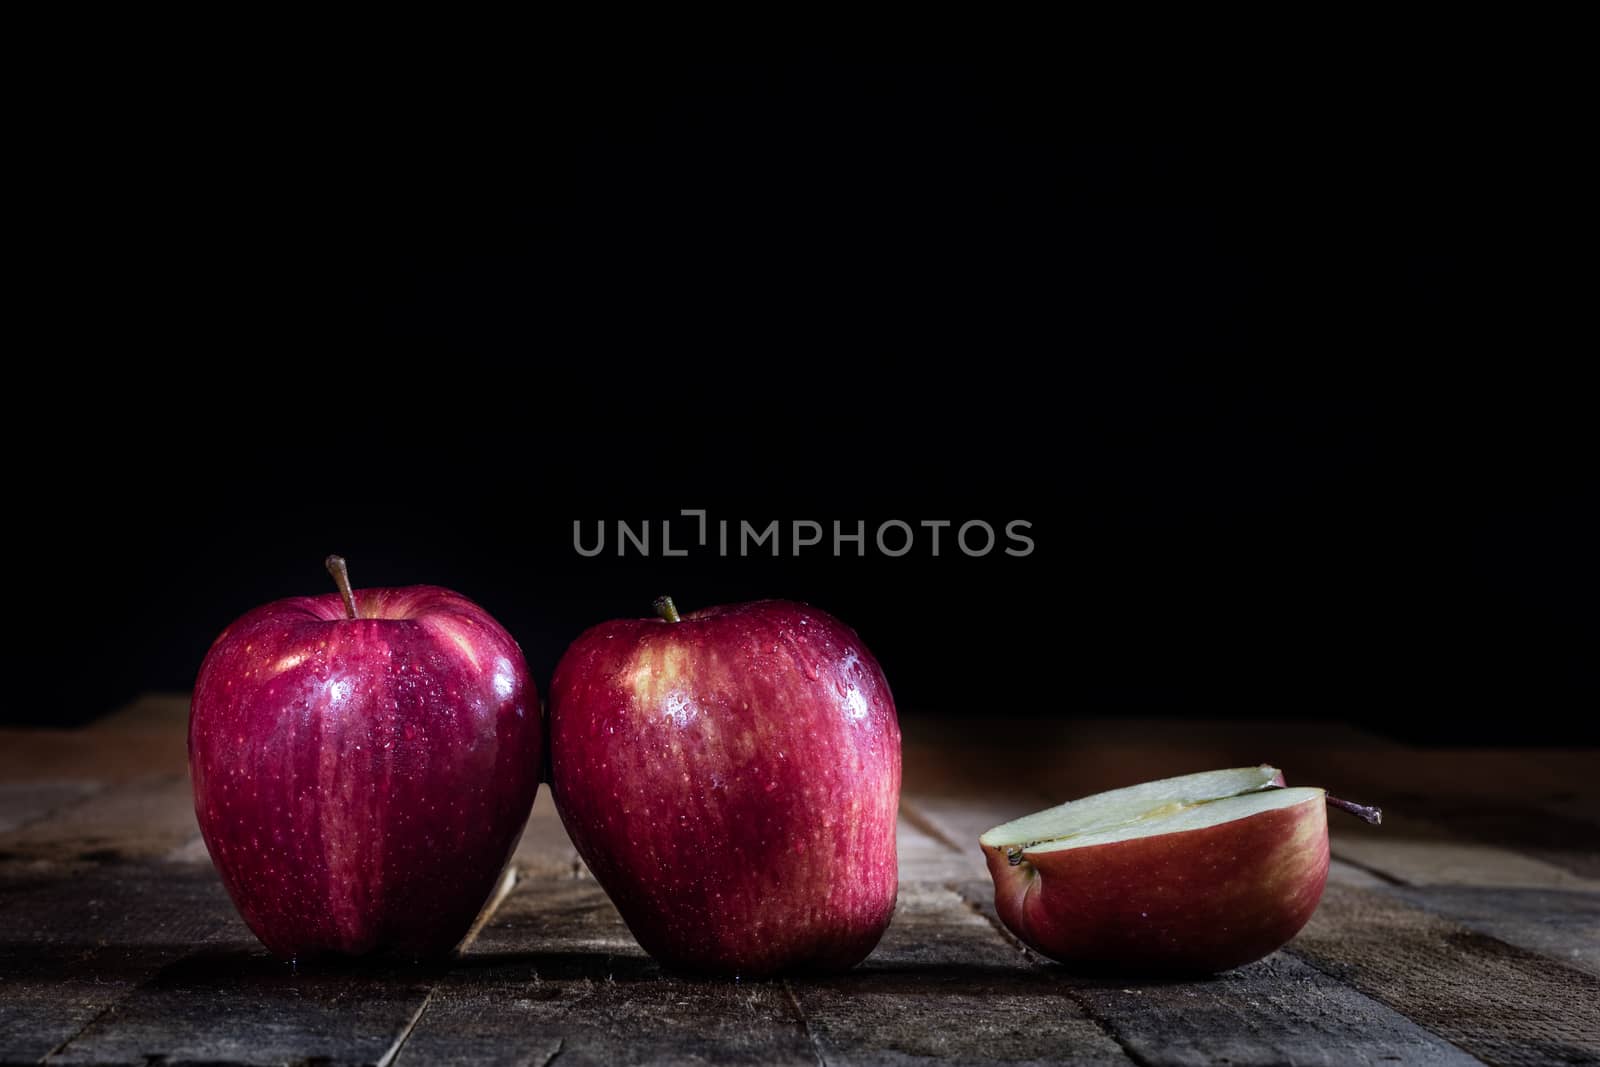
1187 875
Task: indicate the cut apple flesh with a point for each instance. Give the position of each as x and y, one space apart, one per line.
1171 805
1197 817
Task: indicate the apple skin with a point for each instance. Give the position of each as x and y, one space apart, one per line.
733 780
361 783
1194 902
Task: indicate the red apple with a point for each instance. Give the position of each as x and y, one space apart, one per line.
1182 876
732 778
363 766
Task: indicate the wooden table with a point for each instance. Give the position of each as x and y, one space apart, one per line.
1466 929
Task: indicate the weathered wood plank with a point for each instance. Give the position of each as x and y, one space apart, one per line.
1279 1010
22 803
77 938
1558 924
957 822
943 985
556 970
555 922
55 755
1342 873
1276 1011
160 713
1563 925
137 820
1422 852
545 850
232 1002
237 1005
1501 1003
926 855
1543 832
567 978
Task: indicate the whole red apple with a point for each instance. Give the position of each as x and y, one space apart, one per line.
1186 875
363 765
732 779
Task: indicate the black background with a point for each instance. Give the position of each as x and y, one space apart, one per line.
1238 357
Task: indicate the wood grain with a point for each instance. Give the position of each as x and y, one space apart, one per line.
1501 1003
1466 929
140 819
556 971
1430 852
544 850
63 755
1557 924
944 986
22 803
77 938
235 1004
1277 1011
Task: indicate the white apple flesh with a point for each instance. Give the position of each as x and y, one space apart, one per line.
1189 875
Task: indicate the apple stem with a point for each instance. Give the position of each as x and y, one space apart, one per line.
1360 811
341 578
667 609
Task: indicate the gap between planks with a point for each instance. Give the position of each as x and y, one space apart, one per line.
508 882
930 829
805 1024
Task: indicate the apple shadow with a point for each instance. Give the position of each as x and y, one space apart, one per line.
62 962
634 968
